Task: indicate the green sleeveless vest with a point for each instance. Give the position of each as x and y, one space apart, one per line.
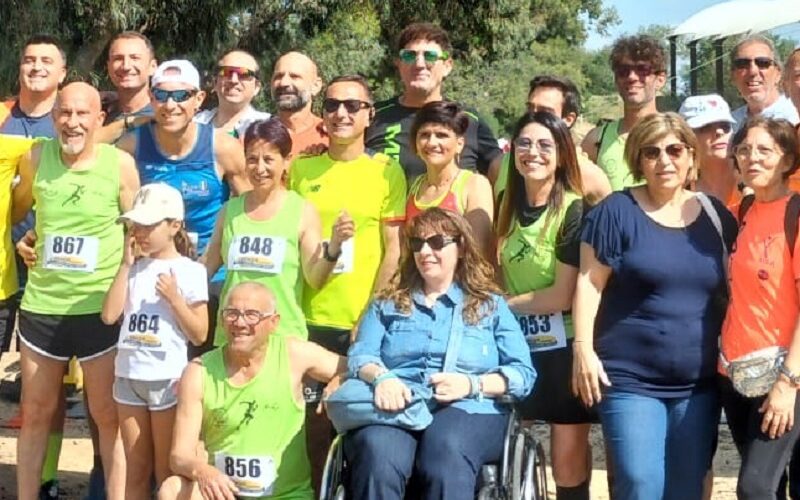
79 244
254 433
266 252
611 157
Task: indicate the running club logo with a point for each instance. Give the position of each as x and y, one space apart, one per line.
249 413
523 252
76 195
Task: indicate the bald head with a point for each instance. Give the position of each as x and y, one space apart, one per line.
77 114
295 81
254 295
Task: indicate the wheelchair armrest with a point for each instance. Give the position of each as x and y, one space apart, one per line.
506 400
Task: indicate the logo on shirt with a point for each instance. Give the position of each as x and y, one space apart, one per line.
314 188
75 197
249 413
523 251
195 190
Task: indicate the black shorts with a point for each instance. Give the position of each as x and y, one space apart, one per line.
552 399
59 337
8 320
332 339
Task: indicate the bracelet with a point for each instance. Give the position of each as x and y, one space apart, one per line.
126 124
475 387
383 376
327 255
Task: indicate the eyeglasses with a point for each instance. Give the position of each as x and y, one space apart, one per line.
435 242
545 147
181 95
724 127
642 70
251 316
352 106
674 151
744 151
409 56
243 73
745 62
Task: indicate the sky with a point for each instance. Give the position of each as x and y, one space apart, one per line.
636 14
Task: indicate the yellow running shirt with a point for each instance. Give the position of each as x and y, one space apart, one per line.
372 189
12 148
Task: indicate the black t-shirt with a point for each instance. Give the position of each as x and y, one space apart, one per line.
389 133
568 240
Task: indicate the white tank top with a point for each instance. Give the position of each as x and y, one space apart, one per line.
151 345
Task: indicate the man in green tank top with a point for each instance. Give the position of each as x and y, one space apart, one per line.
244 402
639 67
80 189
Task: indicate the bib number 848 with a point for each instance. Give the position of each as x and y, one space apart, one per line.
257 245
242 467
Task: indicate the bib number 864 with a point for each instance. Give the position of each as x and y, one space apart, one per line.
67 244
242 467
143 323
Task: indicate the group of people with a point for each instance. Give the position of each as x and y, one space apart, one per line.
219 274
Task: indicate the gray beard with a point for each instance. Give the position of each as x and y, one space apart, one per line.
288 102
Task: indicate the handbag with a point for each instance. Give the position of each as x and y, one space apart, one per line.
353 404
754 374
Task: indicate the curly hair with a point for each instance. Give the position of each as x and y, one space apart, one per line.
473 273
638 48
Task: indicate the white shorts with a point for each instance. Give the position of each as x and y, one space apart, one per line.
154 394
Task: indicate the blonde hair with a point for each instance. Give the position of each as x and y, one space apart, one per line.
652 129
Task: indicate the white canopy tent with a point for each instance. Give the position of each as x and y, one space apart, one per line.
725 19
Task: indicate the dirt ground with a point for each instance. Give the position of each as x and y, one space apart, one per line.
76 455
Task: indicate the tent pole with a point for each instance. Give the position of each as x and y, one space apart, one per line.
693 67
673 65
718 55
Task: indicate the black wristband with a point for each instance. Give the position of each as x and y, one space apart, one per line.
326 253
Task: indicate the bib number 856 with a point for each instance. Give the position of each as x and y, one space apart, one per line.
257 245
242 467
67 244
143 323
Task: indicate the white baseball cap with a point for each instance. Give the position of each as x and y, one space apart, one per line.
176 71
700 110
154 203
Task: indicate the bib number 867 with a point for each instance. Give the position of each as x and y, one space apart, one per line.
67 244
242 467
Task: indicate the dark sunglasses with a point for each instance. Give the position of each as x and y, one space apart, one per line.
435 242
642 70
242 73
724 127
409 56
674 151
745 62
182 95
350 105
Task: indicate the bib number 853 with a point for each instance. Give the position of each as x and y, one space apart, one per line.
242 467
535 324
67 244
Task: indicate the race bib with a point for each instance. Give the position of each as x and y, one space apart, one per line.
345 262
71 253
253 476
263 254
544 332
140 331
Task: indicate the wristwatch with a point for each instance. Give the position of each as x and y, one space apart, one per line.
794 379
326 253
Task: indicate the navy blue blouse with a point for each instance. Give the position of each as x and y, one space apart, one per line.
657 325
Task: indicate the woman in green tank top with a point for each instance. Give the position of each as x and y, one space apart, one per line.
538 247
271 235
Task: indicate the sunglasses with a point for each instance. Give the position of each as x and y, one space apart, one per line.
724 127
435 242
642 70
409 56
242 73
251 316
653 153
352 106
745 62
182 95
545 147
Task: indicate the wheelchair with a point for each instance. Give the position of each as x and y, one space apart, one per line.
520 475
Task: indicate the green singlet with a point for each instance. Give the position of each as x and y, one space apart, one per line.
611 157
267 252
528 260
255 430
79 243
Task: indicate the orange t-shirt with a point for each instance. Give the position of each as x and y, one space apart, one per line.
312 136
794 182
764 307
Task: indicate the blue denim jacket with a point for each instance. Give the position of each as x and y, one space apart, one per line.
413 346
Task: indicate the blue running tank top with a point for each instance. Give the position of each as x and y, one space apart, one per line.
194 175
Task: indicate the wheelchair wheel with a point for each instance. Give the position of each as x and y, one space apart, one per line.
518 465
541 472
332 485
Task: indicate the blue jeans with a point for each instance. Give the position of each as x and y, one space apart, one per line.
445 458
660 448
